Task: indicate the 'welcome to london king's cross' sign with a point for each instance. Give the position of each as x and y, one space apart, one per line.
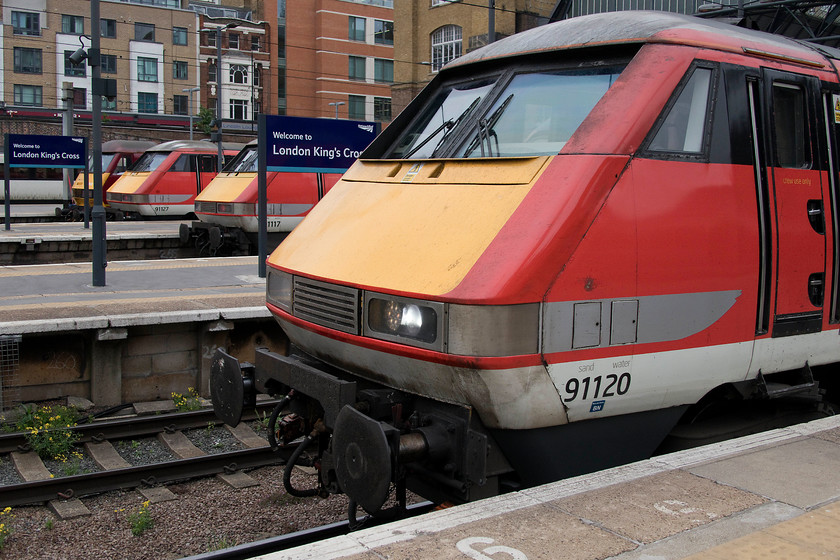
301 144
32 150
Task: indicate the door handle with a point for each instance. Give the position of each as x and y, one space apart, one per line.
816 289
816 216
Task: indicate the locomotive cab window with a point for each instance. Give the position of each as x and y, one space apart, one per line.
439 119
683 130
149 161
527 120
789 128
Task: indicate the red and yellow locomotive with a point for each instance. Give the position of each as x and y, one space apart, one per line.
570 240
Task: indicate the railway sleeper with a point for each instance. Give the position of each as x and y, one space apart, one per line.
370 439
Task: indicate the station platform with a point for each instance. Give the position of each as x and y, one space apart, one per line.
774 495
51 242
61 297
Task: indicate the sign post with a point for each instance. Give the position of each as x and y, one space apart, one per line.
34 150
304 145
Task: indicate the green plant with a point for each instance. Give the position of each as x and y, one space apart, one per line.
188 402
49 524
141 520
72 464
263 418
5 525
205 120
48 430
220 542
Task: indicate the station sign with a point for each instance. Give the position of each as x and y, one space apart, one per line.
308 145
34 150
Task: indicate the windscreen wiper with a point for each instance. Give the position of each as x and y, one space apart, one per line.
449 125
485 131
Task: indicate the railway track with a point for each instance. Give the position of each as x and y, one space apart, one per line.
116 473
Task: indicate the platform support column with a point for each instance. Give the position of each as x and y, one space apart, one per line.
106 367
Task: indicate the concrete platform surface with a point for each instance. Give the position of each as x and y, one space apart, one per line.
72 231
61 297
766 496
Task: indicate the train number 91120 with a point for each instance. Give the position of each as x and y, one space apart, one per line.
613 384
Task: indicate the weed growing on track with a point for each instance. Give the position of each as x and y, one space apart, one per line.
188 402
48 430
220 542
5 525
141 520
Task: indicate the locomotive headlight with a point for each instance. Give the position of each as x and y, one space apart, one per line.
404 320
278 289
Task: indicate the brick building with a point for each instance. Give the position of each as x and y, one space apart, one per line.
340 58
150 51
429 34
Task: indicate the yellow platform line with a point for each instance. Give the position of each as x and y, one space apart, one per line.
811 535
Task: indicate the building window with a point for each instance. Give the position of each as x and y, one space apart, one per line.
211 39
179 36
256 80
147 102
446 45
79 98
238 74
255 43
383 32
180 70
383 71
26 23
356 107
382 109
108 28
211 72
180 105
144 32
73 25
357 28
442 2
28 95
109 104
238 109
28 61
108 63
70 69
147 69
233 41
357 68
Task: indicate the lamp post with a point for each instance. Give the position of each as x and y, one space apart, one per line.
219 88
190 108
336 104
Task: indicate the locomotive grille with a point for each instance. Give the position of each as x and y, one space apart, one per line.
327 305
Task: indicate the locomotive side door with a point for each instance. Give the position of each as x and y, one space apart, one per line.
792 121
205 170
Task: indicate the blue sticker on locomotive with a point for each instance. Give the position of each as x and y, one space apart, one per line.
597 406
